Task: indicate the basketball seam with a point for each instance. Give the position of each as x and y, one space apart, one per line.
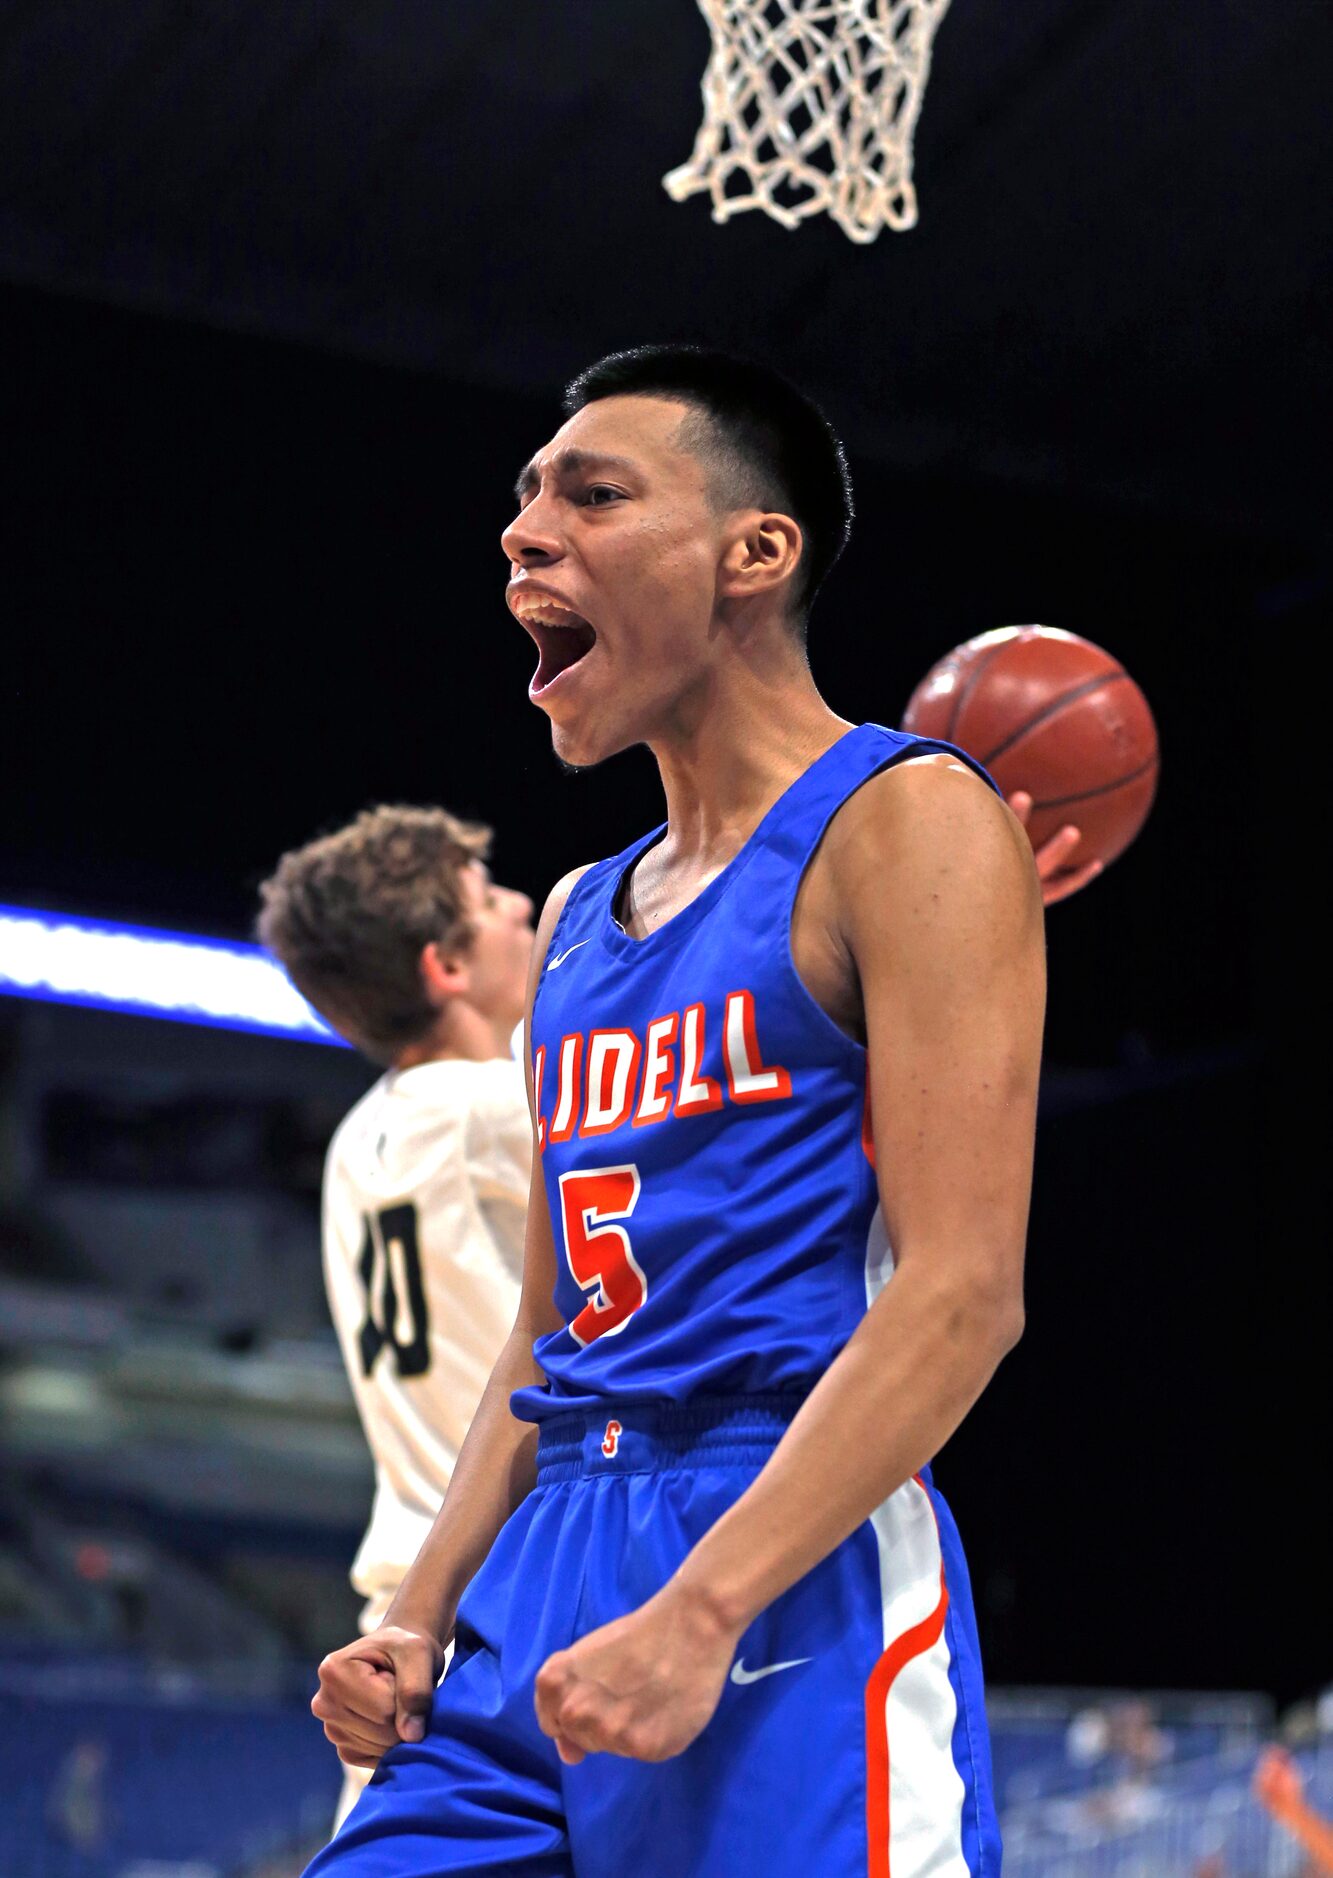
1086 795
1071 696
970 686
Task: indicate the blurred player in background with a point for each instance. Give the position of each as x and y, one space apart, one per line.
394 931
1280 1787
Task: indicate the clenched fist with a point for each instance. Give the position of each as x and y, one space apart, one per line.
376 1692
643 1686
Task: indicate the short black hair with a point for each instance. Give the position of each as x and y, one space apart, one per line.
766 443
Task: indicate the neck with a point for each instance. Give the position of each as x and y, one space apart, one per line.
736 743
460 1034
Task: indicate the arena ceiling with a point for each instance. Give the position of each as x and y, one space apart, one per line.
1114 290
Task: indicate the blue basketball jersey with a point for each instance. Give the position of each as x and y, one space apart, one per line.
703 1129
704 1140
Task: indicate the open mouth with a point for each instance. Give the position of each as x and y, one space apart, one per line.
562 637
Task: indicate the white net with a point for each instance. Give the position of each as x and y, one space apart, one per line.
810 106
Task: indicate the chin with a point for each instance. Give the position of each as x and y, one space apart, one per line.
584 746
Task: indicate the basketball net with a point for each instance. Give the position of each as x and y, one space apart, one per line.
810 106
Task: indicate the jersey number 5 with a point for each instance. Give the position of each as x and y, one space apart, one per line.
598 1250
390 1269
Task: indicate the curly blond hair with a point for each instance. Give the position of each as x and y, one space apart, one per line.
347 916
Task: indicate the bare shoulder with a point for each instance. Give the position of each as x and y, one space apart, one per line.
913 804
922 870
555 900
541 945
550 919
924 838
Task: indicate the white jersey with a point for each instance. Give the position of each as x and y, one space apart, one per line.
425 1196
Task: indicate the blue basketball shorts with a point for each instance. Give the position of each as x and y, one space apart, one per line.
850 1737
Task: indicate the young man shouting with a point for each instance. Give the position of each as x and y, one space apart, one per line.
710 1614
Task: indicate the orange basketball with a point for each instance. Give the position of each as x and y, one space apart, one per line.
1052 714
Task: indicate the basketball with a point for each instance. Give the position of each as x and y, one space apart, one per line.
1054 715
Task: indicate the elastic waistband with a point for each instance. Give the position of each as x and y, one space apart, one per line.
650 1437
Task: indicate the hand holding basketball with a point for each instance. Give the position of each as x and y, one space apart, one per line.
1058 878
1064 731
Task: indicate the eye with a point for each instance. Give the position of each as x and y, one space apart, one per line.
598 495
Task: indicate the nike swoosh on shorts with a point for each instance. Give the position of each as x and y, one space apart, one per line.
740 1674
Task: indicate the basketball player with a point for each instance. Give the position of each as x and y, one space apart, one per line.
1278 1786
393 930
710 1614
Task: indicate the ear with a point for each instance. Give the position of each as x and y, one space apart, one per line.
444 974
762 555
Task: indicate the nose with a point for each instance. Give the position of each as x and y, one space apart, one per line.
522 907
532 538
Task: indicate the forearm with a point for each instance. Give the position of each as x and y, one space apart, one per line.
903 1383
496 1468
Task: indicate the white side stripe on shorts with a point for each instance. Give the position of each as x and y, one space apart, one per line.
914 1792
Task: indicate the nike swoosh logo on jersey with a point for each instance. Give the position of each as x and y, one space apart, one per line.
740 1674
552 963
